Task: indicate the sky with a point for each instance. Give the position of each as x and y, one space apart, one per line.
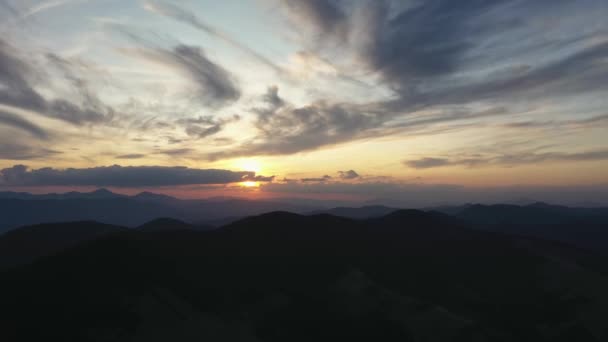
379 101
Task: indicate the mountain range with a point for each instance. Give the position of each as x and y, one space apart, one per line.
582 227
19 209
409 275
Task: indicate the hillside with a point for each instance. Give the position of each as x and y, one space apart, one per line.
407 276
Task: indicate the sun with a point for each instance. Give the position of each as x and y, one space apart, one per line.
250 184
251 165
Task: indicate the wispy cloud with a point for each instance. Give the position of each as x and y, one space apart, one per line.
17 75
131 156
12 120
188 17
512 159
216 86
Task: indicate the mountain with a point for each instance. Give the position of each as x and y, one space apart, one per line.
20 209
97 194
27 244
358 213
535 213
407 276
582 227
149 196
168 224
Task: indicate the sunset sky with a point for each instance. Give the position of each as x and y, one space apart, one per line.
409 102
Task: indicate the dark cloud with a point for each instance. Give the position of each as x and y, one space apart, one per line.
412 43
215 85
591 122
205 126
187 17
513 159
131 156
426 38
577 73
328 17
260 179
16 89
175 152
272 98
120 176
12 120
173 140
320 179
426 163
350 174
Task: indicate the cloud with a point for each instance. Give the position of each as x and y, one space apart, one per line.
131 156
187 17
47 5
260 179
12 120
513 159
451 58
205 126
19 151
350 174
121 176
16 90
215 85
434 58
317 180
285 129
426 163
175 152
326 17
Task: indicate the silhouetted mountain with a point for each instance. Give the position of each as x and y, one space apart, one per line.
583 227
149 196
536 213
26 244
19 209
169 224
97 194
407 276
358 213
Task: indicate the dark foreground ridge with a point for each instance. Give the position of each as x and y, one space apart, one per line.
407 276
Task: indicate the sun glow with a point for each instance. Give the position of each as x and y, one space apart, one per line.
250 184
251 165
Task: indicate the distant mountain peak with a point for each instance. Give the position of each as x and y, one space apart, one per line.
146 195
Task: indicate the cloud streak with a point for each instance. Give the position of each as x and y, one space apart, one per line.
16 78
216 86
513 159
187 17
12 120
